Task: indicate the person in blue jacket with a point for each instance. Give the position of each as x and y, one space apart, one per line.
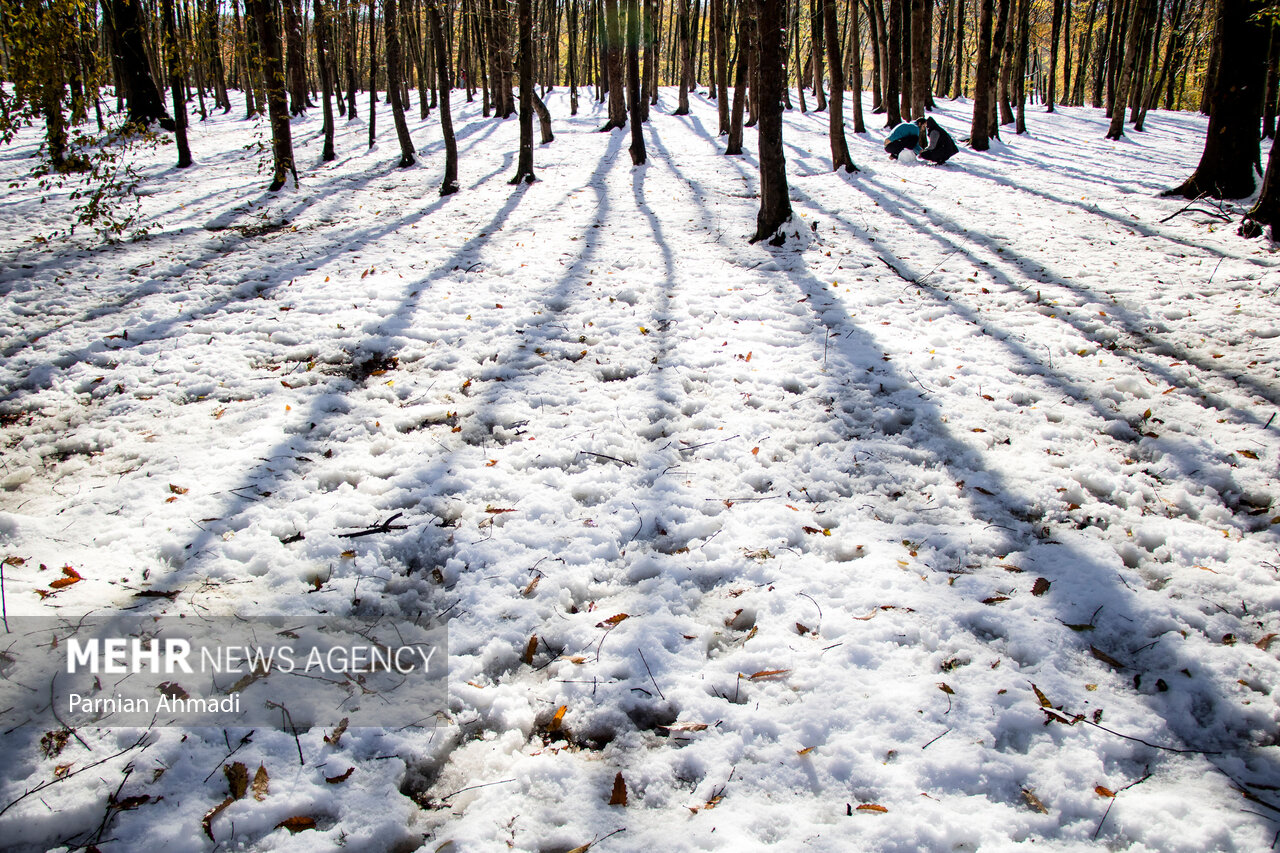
935 144
904 136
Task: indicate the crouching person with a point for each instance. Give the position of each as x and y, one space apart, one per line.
936 145
904 136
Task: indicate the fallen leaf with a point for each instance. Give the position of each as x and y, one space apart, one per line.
1033 801
1265 642
805 751
619 795
69 576
332 739
207 822
768 673
173 690
530 648
178 490
341 777
533 584
1044 700
297 823
237 779
755 451
871 807
946 688
261 784
558 719
1105 658
1247 454
613 620
1040 587
1104 792
995 599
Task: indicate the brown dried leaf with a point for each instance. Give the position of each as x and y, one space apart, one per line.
1247 454
1033 801
619 795
529 650
946 688
207 822
1104 792
177 490
995 599
1265 642
1105 658
1041 586
613 620
768 673
173 690
14 561
805 751
871 807
297 823
69 577
1044 700
332 739
533 584
237 779
261 784
341 777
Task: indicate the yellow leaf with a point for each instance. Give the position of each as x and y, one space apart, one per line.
530 649
558 719
871 807
1104 792
805 751
768 673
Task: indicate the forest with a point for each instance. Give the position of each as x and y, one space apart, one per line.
588 425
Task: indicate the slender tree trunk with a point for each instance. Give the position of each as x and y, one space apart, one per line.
268 22
295 60
775 203
835 106
1138 8
720 24
395 68
893 107
877 73
635 97
176 84
1020 66
816 43
958 87
616 66
855 46
1006 29
217 70
1055 35
326 79
686 58
524 166
919 59
449 185
733 145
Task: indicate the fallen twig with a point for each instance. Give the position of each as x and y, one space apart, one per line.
651 678
50 783
384 527
1112 799
610 458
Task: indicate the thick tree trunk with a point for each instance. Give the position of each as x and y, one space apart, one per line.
1266 211
980 129
616 67
141 94
816 28
524 166
264 15
733 146
1138 8
1231 151
720 23
296 60
775 203
919 59
686 58
893 108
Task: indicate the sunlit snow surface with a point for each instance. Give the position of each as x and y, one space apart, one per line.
848 459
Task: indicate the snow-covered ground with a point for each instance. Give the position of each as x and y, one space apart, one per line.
992 425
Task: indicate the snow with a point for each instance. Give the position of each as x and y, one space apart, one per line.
983 426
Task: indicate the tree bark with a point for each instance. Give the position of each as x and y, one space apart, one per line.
1055 35
449 185
893 75
141 94
1138 8
177 84
686 59
524 166
919 59
634 96
980 128
720 24
326 80
395 68
835 106
296 59
775 203
616 66
268 23
733 146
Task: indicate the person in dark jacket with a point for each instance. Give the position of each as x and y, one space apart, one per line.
936 145
904 136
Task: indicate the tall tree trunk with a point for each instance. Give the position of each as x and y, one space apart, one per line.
449 185
1138 8
957 90
981 127
395 82
1055 35
524 166
177 84
217 70
571 13
720 23
686 58
775 203
635 98
268 22
816 29
919 59
326 79
616 67
296 59
1020 65
141 94
893 75
733 146
1006 30
877 73
1231 151
835 106
855 46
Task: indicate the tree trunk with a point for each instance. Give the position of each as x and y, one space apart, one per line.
1266 211
686 58
616 67
395 70
919 59
1006 28
893 76
775 203
957 90
816 29
296 59
855 46
449 185
268 22
835 106
720 24
177 84
980 129
1054 37
635 98
141 94
1020 66
733 145
524 166
1231 150
1137 10
326 80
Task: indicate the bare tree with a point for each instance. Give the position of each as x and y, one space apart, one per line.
450 183
775 203
524 166
835 106
268 23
